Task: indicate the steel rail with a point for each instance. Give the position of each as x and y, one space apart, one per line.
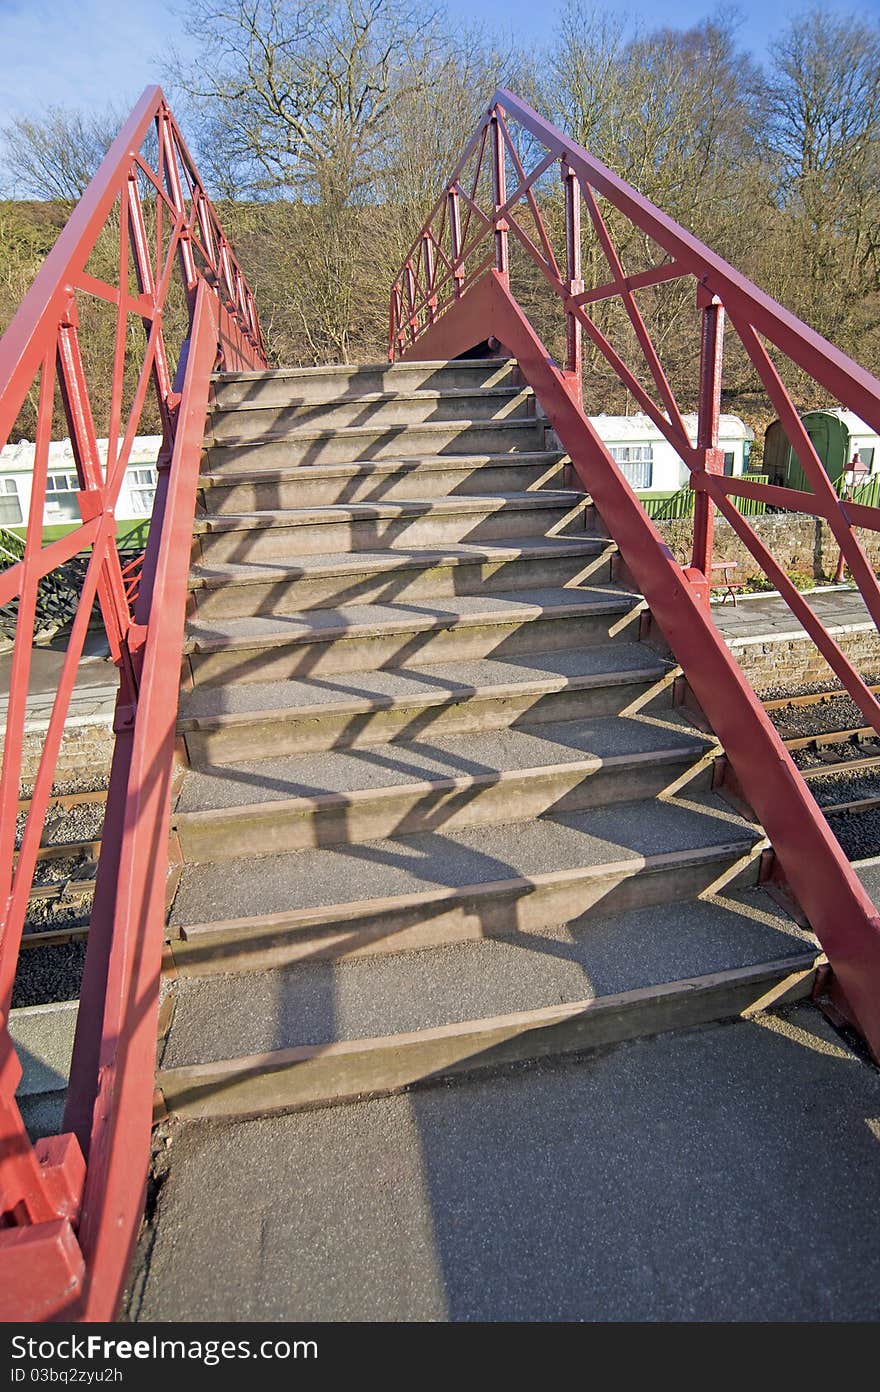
483 308
70 1205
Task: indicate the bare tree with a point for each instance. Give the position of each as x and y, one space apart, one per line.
824 131
298 97
57 156
434 119
587 65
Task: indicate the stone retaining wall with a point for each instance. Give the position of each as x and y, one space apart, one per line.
798 543
87 742
795 661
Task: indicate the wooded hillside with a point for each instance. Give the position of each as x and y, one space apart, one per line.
325 131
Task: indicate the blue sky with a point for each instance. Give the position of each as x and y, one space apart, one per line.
95 53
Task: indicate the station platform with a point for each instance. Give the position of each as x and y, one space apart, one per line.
775 652
758 617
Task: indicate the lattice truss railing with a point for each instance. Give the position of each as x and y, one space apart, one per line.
468 235
164 227
458 288
99 349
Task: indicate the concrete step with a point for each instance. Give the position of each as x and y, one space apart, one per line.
361 638
440 476
237 590
255 720
306 385
314 531
432 888
327 1032
361 442
250 420
264 807
43 1039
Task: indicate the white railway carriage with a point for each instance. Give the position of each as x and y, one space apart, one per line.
650 463
645 457
61 512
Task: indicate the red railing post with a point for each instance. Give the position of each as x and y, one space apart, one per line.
393 306
429 264
62 1257
410 282
454 212
574 280
146 282
499 192
75 395
708 416
175 192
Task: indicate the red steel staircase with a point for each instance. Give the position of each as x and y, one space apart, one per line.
425 763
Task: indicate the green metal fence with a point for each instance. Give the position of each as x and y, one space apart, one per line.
670 507
868 492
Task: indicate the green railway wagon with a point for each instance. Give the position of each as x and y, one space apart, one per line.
836 437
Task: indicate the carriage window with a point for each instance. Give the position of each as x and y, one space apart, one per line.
61 504
636 463
10 507
729 457
142 489
867 458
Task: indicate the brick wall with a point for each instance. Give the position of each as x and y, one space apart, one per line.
86 751
87 742
796 661
797 542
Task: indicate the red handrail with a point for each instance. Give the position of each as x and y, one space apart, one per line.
70 1205
453 292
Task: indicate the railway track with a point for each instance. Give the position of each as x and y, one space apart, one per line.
819 730
64 878
839 757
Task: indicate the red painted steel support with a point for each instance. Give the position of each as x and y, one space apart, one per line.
480 305
839 910
409 281
393 317
454 214
428 263
499 194
120 1117
708 417
574 280
70 1205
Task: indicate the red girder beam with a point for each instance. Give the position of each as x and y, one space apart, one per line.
708 417
830 893
839 374
70 1205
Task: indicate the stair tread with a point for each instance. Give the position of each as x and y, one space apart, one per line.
448 463
225 1017
422 682
319 625
399 558
330 369
414 507
432 862
381 397
248 782
352 432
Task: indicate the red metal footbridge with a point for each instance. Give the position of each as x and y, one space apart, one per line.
70 1204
